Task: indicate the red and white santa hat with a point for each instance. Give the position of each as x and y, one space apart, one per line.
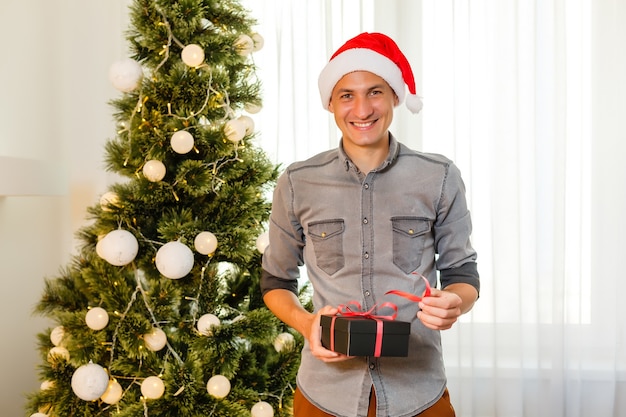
378 54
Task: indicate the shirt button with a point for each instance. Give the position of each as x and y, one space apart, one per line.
364 221
366 186
366 256
367 293
372 366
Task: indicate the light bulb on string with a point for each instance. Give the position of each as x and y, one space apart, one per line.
154 170
244 45
205 243
235 130
155 340
97 318
152 388
113 393
206 322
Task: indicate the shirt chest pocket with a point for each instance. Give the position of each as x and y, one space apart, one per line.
327 239
409 235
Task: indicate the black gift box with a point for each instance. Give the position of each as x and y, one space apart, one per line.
356 335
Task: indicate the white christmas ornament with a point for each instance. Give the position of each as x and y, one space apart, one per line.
262 242
248 123
174 260
252 108
108 200
283 341
155 340
58 352
97 318
126 75
113 393
259 42
244 45
205 243
235 130
205 322
56 335
119 247
262 409
182 142
218 386
39 415
154 170
90 381
152 387
192 55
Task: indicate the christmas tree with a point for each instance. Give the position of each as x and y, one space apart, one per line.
159 312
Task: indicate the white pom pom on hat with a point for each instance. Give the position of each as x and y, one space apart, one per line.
378 54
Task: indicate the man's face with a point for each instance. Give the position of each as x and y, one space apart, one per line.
363 103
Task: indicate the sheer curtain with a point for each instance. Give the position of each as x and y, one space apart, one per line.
526 97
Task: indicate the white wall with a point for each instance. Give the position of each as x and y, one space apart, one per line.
55 89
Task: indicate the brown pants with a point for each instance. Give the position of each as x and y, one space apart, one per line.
303 408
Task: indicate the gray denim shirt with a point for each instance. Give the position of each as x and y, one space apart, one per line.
361 236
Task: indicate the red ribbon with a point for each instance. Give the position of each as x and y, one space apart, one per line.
346 311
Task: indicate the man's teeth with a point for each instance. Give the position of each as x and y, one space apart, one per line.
362 124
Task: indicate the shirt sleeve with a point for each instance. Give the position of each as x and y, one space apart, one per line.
284 254
456 259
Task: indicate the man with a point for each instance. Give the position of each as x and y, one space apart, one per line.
366 218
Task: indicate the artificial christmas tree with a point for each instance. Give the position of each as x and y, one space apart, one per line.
159 313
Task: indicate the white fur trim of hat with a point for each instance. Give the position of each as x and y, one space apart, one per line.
375 53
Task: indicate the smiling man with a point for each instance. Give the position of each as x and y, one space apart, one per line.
369 217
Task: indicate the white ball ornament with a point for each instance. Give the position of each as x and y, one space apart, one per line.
152 388
262 242
283 341
126 74
108 200
235 130
46 385
252 108
218 386
182 142
97 318
206 322
58 353
155 340
56 335
192 55
154 170
244 45
174 260
248 123
113 393
119 247
259 42
262 409
205 243
90 381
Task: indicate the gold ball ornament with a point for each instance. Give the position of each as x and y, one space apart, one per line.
244 45
154 170
182 142
218 386
97 318
235 130
113 393
205 243
152 388
206 322
262 409
155 340
192 55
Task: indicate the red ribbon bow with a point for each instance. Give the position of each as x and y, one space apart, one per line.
346 311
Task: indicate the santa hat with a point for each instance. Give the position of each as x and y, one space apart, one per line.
378 54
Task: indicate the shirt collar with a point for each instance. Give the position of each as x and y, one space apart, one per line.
394 150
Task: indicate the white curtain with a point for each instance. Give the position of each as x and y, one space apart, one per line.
526 96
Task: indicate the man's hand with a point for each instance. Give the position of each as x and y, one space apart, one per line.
315 339
442 308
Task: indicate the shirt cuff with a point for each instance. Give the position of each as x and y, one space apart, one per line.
270 282
464 274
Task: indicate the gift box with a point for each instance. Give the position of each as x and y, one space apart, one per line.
365 336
